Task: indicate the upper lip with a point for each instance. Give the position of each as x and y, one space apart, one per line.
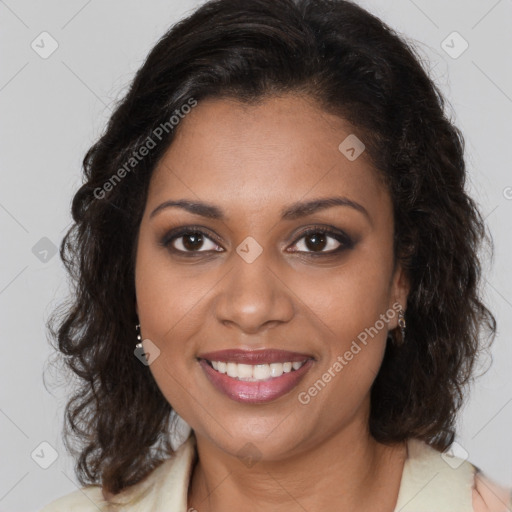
264 356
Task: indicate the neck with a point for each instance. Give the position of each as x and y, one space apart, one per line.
348 470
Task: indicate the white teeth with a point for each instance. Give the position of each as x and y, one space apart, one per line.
249 372
261 371
276 369
244 371
232 370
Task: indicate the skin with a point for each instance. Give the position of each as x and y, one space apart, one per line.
251 162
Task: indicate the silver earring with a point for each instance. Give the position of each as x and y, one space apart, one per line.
402 324
139 338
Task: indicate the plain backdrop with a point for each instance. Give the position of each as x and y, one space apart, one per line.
53 109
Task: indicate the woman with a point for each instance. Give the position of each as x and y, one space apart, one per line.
274 244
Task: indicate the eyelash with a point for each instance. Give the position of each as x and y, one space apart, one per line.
341 237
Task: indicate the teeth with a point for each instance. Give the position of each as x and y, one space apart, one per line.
276 369
260 372
256 372
244 371
232 370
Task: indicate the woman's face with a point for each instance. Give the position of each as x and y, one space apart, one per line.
254 281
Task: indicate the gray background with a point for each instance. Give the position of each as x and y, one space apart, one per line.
53 109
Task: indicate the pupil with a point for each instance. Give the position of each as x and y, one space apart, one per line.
192 241
318 241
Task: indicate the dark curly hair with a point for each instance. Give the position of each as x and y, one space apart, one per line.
117 422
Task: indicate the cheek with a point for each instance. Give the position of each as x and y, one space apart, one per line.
349 298
354 341
167 307
163 295
350 305
163 305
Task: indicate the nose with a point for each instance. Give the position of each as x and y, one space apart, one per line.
253 296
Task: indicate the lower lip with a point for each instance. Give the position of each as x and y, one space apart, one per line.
255 392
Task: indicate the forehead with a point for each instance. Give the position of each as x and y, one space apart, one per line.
280 150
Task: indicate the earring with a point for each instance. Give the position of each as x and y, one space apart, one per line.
139 338
402 324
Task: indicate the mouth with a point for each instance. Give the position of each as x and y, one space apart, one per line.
255 376
255 372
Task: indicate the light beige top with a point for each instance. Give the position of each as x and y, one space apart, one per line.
430 483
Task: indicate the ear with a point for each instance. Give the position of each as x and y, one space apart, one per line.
400 287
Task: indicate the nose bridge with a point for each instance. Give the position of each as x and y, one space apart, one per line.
251 294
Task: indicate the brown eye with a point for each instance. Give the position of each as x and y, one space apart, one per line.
190 241
318 242
322 241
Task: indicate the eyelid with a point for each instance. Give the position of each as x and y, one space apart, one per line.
339 235
174 234
345 241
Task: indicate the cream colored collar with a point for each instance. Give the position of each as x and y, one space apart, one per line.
430 482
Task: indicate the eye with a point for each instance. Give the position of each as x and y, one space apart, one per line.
322 240
190 240
315 241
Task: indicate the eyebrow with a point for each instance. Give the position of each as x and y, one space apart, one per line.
291 212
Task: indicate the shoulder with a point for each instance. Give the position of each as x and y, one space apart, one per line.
441 481
166 484
488 496
86 499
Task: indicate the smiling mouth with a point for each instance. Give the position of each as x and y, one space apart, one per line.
255 372
259 382
255 376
